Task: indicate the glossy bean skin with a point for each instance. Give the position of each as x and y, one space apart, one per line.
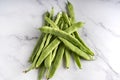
57 61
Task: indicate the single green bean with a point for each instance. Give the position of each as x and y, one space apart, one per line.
54 53
57 18
51 13
67 58
77 60
57 61
67 52
48 60
71 11
41 72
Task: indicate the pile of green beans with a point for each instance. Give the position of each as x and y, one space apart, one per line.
59 40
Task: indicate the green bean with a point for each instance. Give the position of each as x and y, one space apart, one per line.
57 61
67 58
62 25
77 36
67 52
54 53
77 60
48 60
71 11
38 53
76 57
32 57
41 73
57 18
75 49
48 49
51 13
73 28
51 22
66 18
43 42
46 14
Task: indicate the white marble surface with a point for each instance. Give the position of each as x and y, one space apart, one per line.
19 20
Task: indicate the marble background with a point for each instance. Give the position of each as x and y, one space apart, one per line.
19 20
